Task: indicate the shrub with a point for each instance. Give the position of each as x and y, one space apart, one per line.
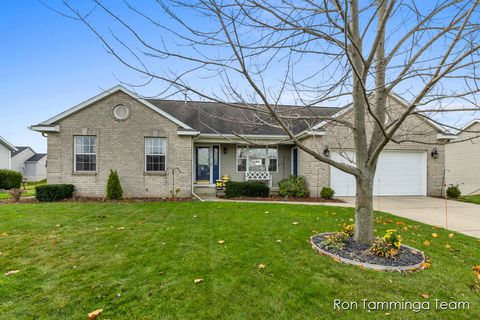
392 238
54 192
10 179
388 245
16 193
114 187
246 189
453 192
327 193
293 187
349 229
335 241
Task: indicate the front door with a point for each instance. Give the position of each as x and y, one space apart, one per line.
203 164
216 163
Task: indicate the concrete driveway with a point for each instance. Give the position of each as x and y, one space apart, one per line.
454 215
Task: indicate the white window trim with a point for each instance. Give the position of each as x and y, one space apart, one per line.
247 146
145 155
75 154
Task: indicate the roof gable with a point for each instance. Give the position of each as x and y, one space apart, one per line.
20 150
100 96
7 144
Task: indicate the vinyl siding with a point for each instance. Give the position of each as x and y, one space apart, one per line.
463 162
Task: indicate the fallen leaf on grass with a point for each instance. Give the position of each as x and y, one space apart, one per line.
58 225
221 241
267 212
9 273
194 215
434 235
425 265
450 235
427 243
295 222
424 295
4 234
94 314
261 266
447 246
120 228
54 242
197 281
278 241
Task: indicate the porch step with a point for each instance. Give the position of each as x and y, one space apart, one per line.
205 191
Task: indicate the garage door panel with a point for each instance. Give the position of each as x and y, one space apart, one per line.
398 173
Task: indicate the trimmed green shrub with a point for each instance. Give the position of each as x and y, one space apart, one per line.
10 179
114 187
54 192
246 189
327 193
293 187
453 192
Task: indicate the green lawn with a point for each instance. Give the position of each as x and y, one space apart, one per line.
473 199
139 261
29 186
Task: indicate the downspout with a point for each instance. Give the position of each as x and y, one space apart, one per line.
193 169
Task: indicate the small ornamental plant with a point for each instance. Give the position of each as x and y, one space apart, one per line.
349 229
335 241
392 238
388 245
114 187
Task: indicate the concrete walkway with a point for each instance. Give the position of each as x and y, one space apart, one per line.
454 215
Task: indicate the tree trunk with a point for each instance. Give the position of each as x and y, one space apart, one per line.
364 211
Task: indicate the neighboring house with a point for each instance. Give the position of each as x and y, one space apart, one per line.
147 140
6 149
32 165
463 159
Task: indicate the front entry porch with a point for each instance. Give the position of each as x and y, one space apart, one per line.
269 164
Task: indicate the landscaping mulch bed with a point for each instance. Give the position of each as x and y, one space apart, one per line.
280 198
358 252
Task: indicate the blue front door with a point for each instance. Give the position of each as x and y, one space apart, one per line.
216 163
295 161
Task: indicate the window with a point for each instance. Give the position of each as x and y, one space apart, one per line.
242 158
155 151
85 153
257 158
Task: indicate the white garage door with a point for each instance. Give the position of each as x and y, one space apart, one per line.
398 173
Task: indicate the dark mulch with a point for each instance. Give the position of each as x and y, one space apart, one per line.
359 252
280 198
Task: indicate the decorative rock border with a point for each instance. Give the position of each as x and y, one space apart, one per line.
366 265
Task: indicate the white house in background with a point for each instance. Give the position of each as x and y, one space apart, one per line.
6 149
32 165
463 159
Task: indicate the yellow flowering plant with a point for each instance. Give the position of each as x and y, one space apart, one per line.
349 229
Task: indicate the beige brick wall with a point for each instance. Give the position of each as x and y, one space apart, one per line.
341 138
120 146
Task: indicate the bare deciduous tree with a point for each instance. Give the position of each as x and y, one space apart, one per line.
259 53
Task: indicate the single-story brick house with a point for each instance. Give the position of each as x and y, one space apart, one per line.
160 147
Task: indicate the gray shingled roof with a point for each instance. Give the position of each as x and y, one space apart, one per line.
36 157
212 117
19 150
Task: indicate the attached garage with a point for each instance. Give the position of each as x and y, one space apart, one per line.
399 173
